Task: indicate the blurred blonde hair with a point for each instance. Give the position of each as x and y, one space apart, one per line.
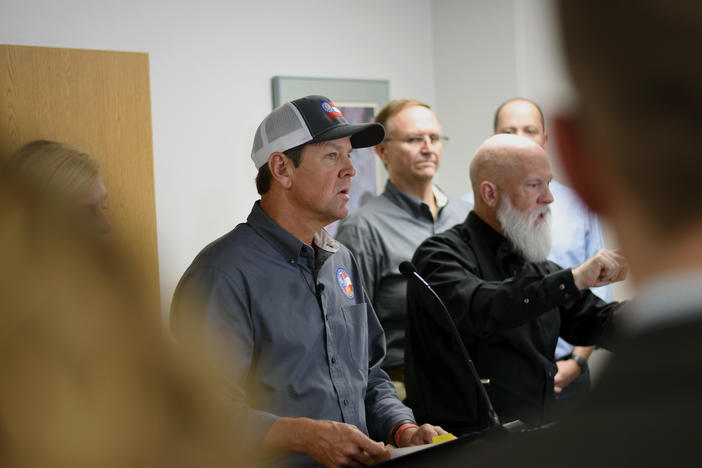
58 167
88 378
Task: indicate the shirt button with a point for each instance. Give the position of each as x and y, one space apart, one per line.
291 261
526 300
333 360
562 287
346 402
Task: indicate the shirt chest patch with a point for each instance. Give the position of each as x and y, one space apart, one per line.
344 282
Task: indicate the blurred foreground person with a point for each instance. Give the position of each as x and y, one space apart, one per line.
87 377
632 152
66 172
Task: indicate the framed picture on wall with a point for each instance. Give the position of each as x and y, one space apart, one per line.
359 101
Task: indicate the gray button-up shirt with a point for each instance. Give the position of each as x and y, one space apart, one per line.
381 235
290 328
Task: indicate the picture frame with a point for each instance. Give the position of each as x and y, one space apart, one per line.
287 88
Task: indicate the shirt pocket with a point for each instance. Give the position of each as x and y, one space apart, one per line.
356 327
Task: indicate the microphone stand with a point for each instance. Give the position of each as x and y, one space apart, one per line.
410 272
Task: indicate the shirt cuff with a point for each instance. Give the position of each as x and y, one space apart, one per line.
564 285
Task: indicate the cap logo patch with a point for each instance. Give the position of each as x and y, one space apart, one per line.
331 110
344 282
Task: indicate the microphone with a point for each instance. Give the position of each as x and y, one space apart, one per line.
410 272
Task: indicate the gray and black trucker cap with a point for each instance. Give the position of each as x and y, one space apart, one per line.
310 119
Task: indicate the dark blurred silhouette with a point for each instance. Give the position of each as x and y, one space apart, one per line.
631 150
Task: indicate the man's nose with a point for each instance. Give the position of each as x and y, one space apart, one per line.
348 169
427 146
547 196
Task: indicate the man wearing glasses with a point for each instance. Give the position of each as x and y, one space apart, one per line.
387 230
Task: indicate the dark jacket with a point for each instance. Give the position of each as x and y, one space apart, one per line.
645 411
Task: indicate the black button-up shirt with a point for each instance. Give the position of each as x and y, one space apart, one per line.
509 313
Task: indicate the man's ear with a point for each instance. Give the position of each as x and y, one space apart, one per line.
579 164
381 149
545 140
488 192
281 169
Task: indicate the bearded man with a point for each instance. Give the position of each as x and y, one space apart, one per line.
508 302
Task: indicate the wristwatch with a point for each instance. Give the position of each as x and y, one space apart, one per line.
581 362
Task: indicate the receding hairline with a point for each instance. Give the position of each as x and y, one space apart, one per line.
517 99
394 107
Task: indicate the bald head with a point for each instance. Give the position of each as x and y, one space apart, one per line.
520 116
502 157
510 176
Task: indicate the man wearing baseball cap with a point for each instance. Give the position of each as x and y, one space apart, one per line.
279 306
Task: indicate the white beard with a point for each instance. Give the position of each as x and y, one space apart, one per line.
529 238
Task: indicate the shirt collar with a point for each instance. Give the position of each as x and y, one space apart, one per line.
439 197
289 246
325 241
411 204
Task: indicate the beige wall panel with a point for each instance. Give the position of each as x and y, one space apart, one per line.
98 101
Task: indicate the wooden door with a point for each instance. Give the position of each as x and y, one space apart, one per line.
100 102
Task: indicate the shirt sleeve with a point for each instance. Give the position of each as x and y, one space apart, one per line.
209 310
588 321
481 307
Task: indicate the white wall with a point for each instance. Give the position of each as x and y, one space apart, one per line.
211 65
484 54
212 61
475 70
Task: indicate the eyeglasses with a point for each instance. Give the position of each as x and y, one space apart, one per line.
418 140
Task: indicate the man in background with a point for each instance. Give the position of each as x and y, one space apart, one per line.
576 235
387 230
508 303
